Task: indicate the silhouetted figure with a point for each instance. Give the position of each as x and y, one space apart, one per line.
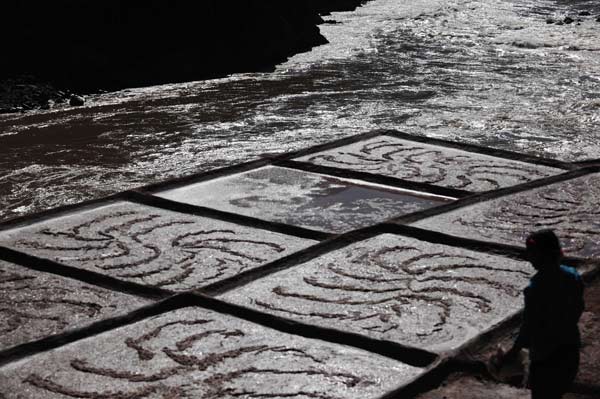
553 305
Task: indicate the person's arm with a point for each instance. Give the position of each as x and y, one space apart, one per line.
574 296
579 302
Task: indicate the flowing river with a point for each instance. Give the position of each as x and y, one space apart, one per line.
491 72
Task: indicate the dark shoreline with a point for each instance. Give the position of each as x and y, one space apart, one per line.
73 47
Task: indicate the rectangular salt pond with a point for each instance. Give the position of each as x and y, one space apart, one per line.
431 296
431 164
35 305
304 199
196 353
571 208
151 246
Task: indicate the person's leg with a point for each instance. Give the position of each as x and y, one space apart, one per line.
543 381
554 376
570 362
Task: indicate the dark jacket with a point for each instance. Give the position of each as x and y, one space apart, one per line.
553 306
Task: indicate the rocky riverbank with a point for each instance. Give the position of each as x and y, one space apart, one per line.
68 46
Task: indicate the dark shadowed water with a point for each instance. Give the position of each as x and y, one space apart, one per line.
491 72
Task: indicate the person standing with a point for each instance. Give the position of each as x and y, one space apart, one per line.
553 305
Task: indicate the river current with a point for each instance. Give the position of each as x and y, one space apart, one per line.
490 72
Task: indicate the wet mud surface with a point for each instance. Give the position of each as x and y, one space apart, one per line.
35 305
570 208
303 199
589 372
425 163
399 289
196 353
151 246
466 386
469 387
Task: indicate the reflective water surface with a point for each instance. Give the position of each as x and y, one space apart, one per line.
492 72
304 199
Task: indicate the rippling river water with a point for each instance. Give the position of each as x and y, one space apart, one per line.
491 72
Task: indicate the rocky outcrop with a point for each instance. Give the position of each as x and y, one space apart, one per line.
25 92
111 44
